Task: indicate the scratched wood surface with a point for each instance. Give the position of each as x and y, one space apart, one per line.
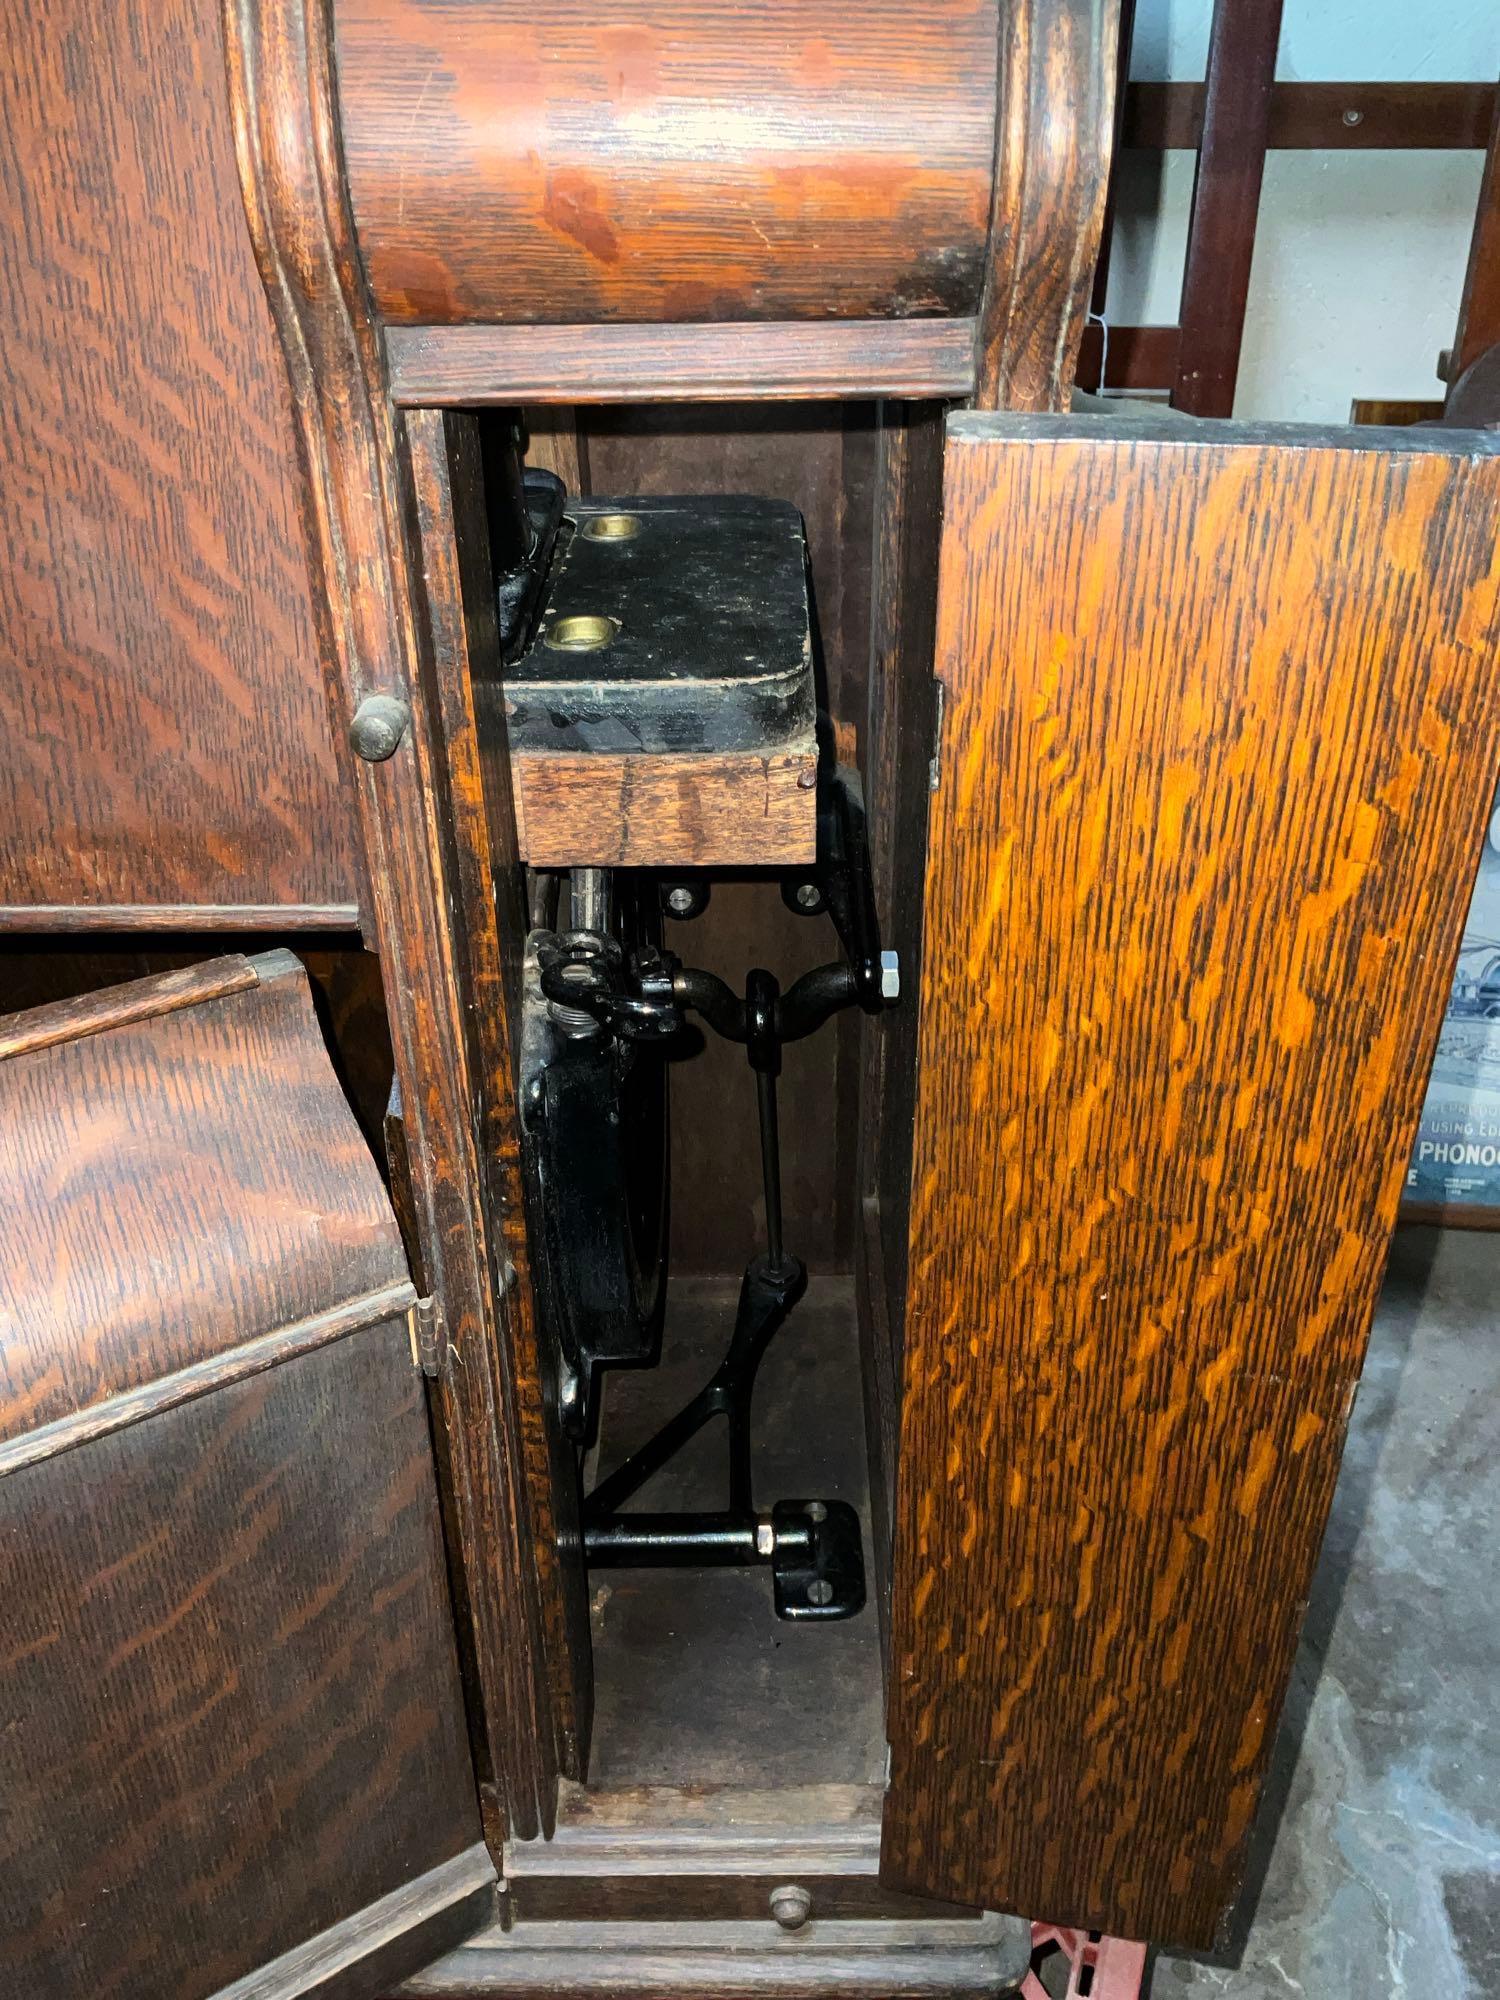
229 1709
230 1715
730 809
241 1206
1222 727
166 738
662 160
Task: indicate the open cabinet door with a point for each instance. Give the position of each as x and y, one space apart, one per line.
233 1756
1220 735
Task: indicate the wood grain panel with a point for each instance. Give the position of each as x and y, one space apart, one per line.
778 361
734 809
899 743
659 160
229 1710
245 1200
1222 724
161 693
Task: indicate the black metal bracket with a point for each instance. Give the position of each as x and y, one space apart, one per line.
812 1546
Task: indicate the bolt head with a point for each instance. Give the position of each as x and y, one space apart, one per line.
379 724
680 901
791 1906
890 976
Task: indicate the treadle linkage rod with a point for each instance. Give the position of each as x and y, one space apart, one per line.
813 1547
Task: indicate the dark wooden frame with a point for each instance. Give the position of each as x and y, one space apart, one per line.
1231 120
395 549
363 537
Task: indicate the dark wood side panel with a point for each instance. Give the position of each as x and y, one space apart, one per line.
161 697
233 1751
217 1224
1222 726
229 1713
662 160
899 743
490 937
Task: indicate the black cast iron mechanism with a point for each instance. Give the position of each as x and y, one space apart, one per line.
612 999
605 1004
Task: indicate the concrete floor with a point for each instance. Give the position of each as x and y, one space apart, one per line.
1376 1865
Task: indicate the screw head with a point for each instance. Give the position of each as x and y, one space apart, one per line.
1353 116
680 900
379 724
791 1906
809 895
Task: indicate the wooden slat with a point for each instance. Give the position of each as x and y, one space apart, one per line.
1221 732
736 809
199 1378
412 1925
139 1000
179 917
653 364
1479 315
1135 357
1324 117
1226 203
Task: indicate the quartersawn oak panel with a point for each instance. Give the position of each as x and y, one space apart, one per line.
662 160
166 733
158 1205
1222 726
229 1708
233 1751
